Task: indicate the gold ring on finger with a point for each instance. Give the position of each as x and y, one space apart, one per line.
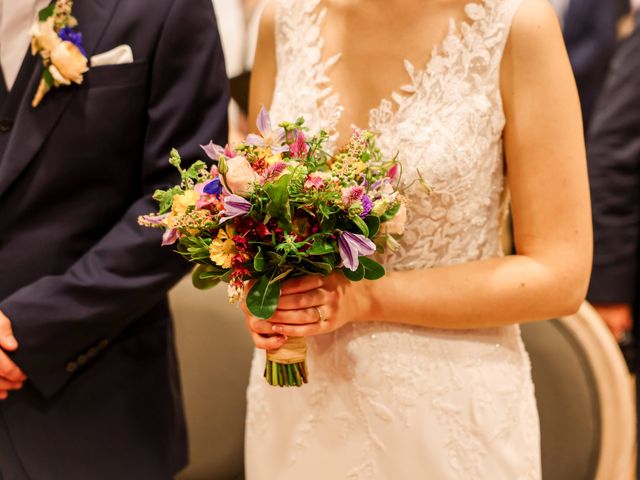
321 317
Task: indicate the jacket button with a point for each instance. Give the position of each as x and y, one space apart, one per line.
93 351
83 359
103 344
72 367
5 125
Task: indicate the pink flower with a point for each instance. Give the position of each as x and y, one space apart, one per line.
352 194
274 172
394 172
299 148
170 237
313 181
204 199
240 177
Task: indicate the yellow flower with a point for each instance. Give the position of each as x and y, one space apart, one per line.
67 63
274 158
182 202
263 152
359 166
223 248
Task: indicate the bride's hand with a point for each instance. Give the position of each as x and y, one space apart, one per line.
310 305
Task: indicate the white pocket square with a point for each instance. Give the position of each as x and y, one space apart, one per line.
116 56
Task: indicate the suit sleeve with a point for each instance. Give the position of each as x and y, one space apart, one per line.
127 273
614 172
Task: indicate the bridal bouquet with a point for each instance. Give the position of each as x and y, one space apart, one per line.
277 206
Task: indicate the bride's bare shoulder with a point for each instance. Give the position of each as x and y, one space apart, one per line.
535 22
535 41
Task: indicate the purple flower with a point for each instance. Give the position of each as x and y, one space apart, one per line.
214 187
170 237
367 205
213 151
68 35
234 206
353 245
269 137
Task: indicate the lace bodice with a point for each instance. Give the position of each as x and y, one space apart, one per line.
450 113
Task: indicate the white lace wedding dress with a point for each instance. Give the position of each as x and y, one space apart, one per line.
387 401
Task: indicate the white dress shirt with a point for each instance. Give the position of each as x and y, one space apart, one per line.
16 18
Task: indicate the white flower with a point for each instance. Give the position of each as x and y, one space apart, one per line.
69 62
43 36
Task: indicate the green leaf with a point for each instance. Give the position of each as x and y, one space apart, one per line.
372 269
354 276
323 268
361 225
279 259
278 193
46 12
321 247
281 275
47 77
165 198
373 223
262 300
201 280
195 168
259 261
390 213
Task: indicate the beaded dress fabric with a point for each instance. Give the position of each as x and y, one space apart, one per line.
388 401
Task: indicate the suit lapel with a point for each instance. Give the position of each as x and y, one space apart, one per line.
33 125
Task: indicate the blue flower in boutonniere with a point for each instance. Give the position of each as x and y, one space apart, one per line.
60 47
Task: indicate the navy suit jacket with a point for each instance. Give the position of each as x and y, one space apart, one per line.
83 284
590 36
614 172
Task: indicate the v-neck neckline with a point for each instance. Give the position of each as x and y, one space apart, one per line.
455 30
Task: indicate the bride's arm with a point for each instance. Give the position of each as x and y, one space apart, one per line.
547 175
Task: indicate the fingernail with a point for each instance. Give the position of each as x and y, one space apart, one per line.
10 341
278 328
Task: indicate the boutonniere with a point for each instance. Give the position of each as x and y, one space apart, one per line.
60 47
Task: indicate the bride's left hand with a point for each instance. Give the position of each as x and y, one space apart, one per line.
315 305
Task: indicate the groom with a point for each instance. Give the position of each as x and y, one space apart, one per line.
88 375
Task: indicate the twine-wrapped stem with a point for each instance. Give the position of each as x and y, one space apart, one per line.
286 367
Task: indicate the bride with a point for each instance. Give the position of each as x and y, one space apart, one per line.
423 374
